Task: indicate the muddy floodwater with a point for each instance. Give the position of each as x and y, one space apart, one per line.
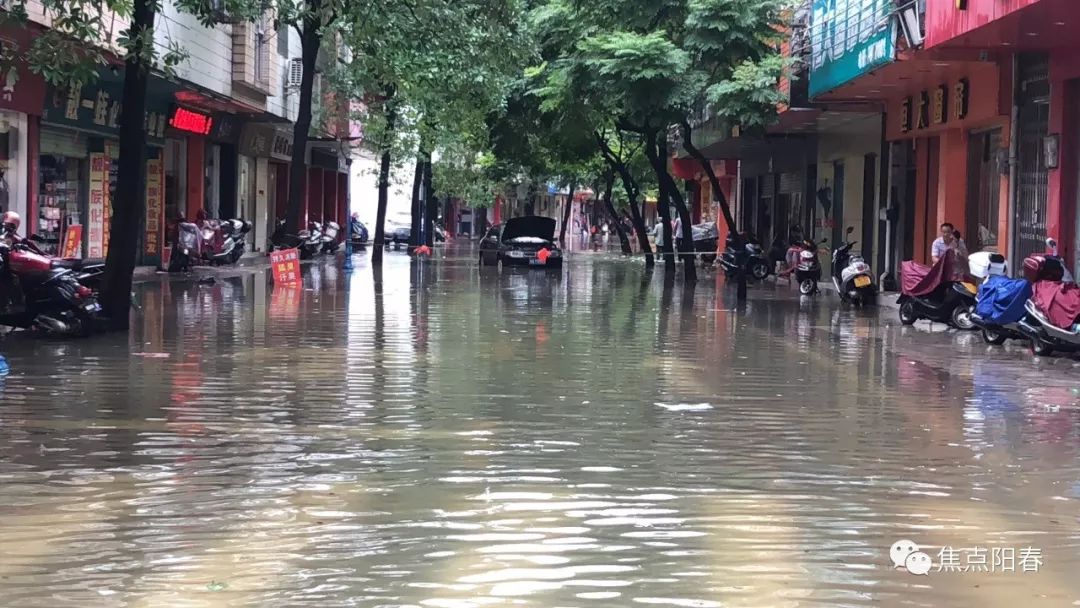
434 435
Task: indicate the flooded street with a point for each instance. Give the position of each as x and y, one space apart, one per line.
439 436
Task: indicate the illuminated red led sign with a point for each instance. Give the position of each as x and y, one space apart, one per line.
183 119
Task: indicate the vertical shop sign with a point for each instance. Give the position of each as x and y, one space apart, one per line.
99 187
72 241
154 180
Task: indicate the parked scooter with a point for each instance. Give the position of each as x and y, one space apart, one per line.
808 269
1054 308
999 304
328 239
87 272
939 293
358 232
744 256
310 240
213 243
851 275
37 291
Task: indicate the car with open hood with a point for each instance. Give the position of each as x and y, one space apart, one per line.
522 241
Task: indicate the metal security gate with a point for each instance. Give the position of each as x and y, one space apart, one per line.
1033 100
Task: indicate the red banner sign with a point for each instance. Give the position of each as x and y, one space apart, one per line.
72 242
286 266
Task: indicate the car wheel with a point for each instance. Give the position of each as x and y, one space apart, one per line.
993 336
961 317
907 313
1039 348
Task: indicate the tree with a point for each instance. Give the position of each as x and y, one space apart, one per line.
650 65
444 60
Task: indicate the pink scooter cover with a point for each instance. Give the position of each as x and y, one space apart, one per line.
1059 301
919 280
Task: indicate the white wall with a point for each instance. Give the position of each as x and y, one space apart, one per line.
209 62
277 104
850 142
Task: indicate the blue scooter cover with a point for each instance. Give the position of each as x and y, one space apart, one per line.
1001 299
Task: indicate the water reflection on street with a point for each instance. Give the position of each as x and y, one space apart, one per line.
436 435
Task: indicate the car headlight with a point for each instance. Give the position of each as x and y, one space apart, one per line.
516 254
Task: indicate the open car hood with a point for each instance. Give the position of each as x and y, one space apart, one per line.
531 225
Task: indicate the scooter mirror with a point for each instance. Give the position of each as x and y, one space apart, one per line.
1051 243
850 229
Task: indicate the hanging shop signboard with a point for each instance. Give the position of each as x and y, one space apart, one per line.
95 107
190 121
935 107
20 89
848 39
266 141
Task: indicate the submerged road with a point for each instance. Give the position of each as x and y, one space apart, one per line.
436 435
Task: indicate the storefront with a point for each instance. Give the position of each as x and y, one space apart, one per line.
327 174
954 136
263 177
22 97
77 152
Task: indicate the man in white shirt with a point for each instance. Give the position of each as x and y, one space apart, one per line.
947 240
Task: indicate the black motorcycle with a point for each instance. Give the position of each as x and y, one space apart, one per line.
744 256
942 299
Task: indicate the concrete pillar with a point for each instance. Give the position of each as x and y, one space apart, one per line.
196 186
262 203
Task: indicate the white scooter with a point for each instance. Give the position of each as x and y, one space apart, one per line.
851 275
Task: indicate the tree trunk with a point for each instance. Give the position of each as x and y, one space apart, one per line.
384 184
479 225
718 196
609 183
637 216
718 193
130 203
670 191
310 40
415 210
432 206
566 213
663 204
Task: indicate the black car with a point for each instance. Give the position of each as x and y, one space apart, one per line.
397 234
522 241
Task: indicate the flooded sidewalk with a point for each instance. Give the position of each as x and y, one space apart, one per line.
437 435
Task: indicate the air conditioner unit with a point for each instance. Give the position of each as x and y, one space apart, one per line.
296 72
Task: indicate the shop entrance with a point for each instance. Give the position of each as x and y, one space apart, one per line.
984 191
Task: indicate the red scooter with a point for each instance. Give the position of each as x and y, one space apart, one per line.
37 291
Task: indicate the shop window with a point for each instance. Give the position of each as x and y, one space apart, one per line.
58 204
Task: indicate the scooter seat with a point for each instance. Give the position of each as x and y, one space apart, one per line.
77 264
